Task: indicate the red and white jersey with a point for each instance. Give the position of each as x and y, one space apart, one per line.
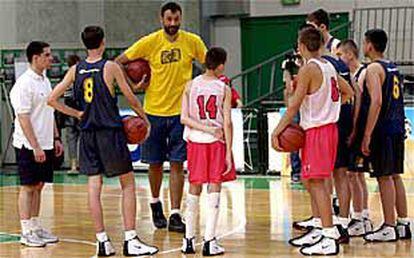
323 106
205 105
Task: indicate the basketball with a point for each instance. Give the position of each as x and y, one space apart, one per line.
292 138
135 129
136 69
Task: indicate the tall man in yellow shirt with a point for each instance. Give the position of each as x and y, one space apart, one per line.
170 52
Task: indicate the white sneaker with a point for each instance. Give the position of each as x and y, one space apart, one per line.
307 239
384 234
135 247
356 228
369 227
46 236
32 240
325 246
404 231
212 248
306 224
188 246
104 249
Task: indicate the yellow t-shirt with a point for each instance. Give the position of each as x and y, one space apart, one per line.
171 68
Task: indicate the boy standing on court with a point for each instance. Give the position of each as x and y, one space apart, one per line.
206 114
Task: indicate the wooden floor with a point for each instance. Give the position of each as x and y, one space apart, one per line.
255 219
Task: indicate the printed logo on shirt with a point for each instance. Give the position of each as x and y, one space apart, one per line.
170 56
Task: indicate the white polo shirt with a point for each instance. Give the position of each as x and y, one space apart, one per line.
29 96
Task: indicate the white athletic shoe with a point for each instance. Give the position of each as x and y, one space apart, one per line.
188 246
356 228
105 248
32 240
212 248
384 234
325 246
307 239
369 227
404 231
306 224
46 236
135 247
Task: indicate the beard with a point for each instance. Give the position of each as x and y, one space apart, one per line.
171 30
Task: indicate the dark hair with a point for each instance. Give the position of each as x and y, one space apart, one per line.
319 17
378 38
72 60
350 45
92 37
35 48
174 7
311 38
215 56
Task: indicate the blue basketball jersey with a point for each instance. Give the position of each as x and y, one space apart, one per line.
391 117
94 98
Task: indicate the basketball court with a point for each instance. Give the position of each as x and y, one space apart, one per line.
255 219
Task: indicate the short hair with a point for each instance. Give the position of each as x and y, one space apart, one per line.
35 48
215 56
378 38
72 60
92 37
312 38
319 17
350 45
172 6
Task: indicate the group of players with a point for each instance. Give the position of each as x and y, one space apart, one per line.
353 117
191 119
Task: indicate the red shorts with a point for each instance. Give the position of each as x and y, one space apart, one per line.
207 163
319 152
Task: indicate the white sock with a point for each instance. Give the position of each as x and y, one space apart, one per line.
174 211
36 223
404 221
191 215
130 234
331 233
317 222
155 200
26 225
212 215
357 215
102 236
365 213
343 222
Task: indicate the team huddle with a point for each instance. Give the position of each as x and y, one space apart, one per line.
352 115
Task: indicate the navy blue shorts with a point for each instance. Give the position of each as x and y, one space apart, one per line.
344 130
32 172
387 155
165 142
104 152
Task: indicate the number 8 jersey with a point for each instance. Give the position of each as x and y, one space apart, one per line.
205 105
94 98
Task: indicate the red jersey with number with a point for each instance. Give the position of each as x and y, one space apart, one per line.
205 105
323 106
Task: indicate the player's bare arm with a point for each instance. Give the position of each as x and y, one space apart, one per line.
346 90
186 119
228 129
374 78
59 90
357 108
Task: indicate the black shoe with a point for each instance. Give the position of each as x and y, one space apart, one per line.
344 238
335 206
188 246
404 231
158 217
176 223
104 249
212 248
295 178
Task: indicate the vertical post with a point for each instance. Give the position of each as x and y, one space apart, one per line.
262 139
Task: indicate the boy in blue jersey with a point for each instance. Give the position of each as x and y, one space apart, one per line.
103 146
382 107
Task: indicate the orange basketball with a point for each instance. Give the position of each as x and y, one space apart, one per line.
135 129
292 138
137 68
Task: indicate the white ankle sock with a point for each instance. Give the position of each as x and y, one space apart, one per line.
404 221
357 215
36 223
331 232
130 234
317 222
212 215
155 200
174 211
365 213
343 222
102 236
191 215
26 225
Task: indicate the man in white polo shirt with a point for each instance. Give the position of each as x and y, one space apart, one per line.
36 140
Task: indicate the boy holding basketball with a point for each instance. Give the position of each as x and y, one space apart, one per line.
206 114
318 96
103 146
